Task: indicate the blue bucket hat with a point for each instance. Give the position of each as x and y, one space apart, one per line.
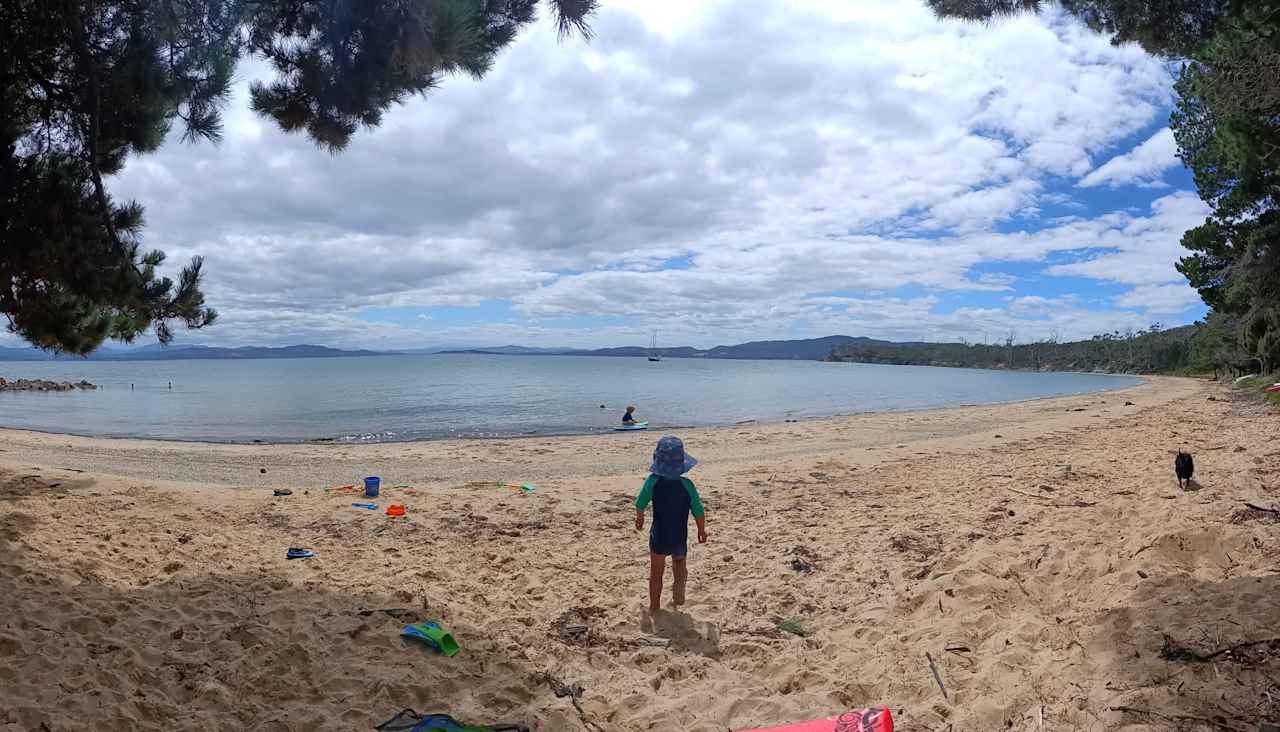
670 459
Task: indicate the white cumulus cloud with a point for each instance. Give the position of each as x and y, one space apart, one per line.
1142 165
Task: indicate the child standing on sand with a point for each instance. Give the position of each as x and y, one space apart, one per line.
674 497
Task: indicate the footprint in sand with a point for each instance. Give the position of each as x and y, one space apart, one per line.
685 635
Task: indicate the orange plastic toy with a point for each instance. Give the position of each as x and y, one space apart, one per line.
395 509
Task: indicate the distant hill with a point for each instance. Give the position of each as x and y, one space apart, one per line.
23 354
158 352
811 349
500 351
248 353
1146 351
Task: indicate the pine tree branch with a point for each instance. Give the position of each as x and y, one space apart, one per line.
81 44
571 17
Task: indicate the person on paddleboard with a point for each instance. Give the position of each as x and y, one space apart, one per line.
629 418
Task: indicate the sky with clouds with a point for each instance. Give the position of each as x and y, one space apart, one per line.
717 171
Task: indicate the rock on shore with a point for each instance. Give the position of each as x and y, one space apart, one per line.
43 385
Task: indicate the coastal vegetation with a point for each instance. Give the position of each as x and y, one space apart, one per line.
1203 348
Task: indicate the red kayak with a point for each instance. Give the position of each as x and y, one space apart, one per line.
1272 389
876 719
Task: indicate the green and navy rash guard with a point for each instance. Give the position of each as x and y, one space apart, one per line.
673 500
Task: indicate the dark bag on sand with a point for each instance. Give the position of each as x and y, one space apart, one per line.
411 721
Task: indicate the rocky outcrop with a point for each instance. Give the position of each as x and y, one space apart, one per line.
43 385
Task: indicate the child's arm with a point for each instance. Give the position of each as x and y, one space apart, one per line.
642 500
696 508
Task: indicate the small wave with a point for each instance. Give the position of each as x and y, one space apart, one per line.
386 436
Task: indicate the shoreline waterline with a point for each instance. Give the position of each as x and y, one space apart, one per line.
413 398
336 442
564 460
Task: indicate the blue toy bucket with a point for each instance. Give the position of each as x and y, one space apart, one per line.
371 486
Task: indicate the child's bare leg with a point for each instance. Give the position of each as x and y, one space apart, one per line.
657 567
680 570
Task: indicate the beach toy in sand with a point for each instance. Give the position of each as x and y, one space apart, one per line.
371 486
299 553
395 509
793 627
410 721
876 719
370 506
434 636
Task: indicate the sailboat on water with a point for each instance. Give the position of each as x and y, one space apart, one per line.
653 348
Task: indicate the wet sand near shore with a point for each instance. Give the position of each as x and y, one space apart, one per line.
1040 553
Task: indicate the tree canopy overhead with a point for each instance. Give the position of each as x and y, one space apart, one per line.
85 84
1165 27
1227 126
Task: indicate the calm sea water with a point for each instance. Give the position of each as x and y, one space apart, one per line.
420 397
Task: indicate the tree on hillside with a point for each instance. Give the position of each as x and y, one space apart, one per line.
1153 350
1227 126
85 84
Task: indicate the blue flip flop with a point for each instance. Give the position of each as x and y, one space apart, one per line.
296 553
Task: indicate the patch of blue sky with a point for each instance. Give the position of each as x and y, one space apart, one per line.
1028 278
1062 197
644 264
907 225
683 262
1191 314
1100 200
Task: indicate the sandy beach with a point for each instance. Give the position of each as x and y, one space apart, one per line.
1040 554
